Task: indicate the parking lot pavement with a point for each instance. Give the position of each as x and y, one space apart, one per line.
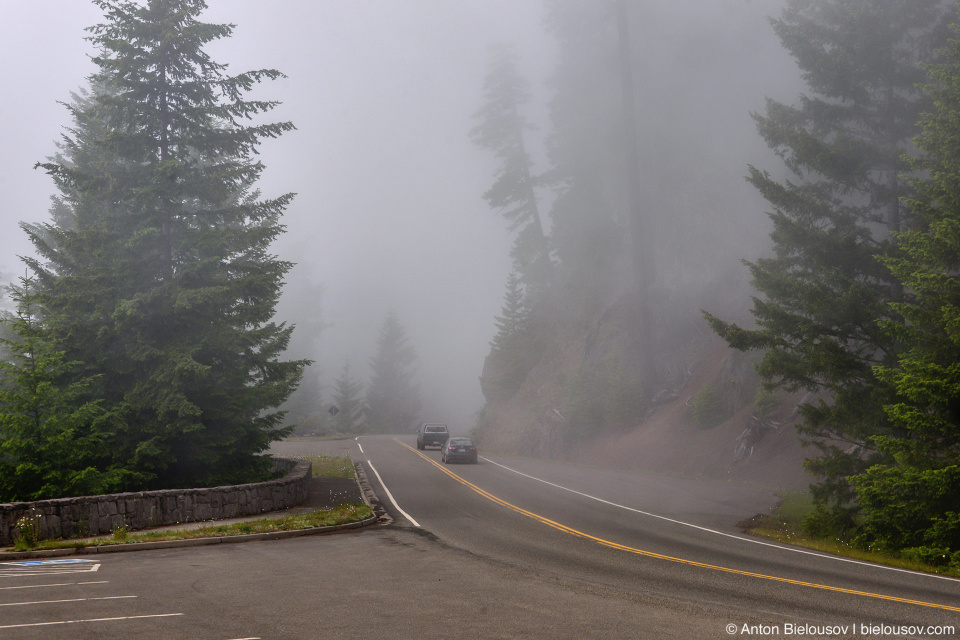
42 594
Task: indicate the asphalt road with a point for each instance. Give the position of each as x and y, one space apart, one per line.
508 548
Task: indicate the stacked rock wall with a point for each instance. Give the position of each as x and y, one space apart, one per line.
96 515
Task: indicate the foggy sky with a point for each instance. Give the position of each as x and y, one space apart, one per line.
389 212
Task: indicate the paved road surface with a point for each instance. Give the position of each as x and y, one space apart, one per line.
508 548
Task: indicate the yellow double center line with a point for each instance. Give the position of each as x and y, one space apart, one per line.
650 554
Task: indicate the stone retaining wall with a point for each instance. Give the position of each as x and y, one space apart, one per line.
96 515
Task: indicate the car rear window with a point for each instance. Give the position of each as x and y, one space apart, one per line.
436 429
460 441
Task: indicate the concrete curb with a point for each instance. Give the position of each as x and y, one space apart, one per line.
370 496
192 542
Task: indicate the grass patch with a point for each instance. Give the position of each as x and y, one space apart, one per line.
793 507
784 525
330 466
324 518
325 436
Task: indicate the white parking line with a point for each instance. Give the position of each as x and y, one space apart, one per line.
47 563
61 584
47 624
7 573
48 567
390 495
20 604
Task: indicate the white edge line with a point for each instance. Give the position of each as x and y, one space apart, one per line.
390 495
62 584
47 624
721 533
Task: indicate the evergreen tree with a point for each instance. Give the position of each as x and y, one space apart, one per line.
501 128
162 285
50 445
6 313
913 499
513 350
824 293
393 400
306 407
348 399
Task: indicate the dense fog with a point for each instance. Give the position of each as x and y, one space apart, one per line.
390 212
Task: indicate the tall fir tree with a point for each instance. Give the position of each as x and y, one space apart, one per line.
824 293
501 128
162 285
393 398
348 399
913 498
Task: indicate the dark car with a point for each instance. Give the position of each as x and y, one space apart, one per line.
459 450
432 435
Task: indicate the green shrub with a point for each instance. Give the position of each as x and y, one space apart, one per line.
707 406
120 533
27 534
906 507
832 522
934 556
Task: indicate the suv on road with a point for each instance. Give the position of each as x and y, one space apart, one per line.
432 435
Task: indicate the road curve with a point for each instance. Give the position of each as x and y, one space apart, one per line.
660 536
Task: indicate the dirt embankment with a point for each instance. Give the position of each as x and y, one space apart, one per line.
670 439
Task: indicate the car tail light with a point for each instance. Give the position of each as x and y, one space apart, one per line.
451 448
